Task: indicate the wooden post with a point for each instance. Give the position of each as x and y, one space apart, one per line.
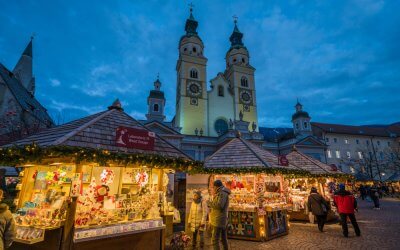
69 225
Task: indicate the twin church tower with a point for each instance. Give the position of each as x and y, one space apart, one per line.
231 97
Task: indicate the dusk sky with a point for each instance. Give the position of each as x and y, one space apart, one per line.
340 58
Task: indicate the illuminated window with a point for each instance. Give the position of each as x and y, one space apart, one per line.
329 153
337 154
348 154
352 170
360 155
346 141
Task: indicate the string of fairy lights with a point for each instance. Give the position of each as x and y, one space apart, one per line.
34 154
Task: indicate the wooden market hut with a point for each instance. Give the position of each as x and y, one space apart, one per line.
321 176
257 210
98 139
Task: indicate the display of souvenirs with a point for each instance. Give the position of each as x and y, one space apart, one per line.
98 206
298 199
29 235
241 224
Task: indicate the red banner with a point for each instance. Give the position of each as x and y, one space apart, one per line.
135 138
283 161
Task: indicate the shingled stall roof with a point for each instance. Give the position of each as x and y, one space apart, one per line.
241 156
94 138
310 164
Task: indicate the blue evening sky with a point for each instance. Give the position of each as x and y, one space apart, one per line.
340 58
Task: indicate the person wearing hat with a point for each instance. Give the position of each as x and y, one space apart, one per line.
346 204
197 218
219 215
319 207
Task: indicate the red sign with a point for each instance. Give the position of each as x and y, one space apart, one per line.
135 138
334 167
283 161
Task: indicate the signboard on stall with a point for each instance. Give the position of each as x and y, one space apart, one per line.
134 138
283 161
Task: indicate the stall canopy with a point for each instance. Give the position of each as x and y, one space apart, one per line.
108 135
241 156
311 165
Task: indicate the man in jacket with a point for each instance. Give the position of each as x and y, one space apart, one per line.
219 215
346 204
7 225
197 218
319 207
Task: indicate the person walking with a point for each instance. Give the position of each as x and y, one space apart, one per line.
197 218
362 191
374 194
319 207
346 204
219 215
7 225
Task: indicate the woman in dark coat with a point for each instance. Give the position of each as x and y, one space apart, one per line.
319 207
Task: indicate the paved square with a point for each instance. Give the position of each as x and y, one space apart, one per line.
380 229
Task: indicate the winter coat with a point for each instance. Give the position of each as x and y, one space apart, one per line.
197 215
315 202
219 208
7 227
345 202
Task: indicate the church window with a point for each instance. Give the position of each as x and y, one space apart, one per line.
220 90
155 108
243 60
194 49
297 126
305 124
221 126
234 60
244 82
193 73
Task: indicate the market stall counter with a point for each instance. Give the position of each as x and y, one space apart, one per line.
94 183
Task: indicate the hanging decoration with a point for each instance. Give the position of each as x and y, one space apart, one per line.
107 177
142 178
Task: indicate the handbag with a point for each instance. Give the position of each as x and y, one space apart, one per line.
323 206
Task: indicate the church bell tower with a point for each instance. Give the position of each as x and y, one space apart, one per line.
191 99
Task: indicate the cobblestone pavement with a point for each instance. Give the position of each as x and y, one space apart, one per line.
380 229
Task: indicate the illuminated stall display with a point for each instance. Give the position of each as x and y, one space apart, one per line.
322 176
258 202
99 181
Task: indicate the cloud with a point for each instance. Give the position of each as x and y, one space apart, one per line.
62 106
54 82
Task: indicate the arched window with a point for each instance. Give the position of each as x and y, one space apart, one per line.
297 125
305 124
194 49
243 60
221 126
220 90
193 73
244 82
155 107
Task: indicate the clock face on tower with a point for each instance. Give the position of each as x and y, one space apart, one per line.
245 96
194 89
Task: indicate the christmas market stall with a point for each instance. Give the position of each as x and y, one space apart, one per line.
94 183
322 176
258 206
